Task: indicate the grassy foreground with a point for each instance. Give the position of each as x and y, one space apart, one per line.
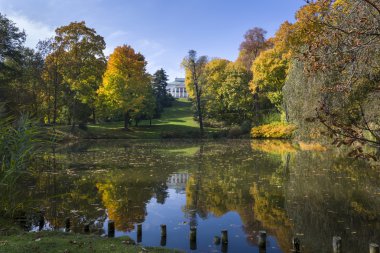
59 242
175 122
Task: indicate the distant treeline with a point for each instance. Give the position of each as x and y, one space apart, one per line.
68 80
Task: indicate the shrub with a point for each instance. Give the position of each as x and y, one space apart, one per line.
234 132
17 146
274 130
245 127
213 123
223 133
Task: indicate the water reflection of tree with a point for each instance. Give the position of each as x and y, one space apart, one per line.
288 192
222 182
271 187
47 189
81 181
328 195
125 194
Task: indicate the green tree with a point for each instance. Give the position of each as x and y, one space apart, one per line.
53 92
126 85
159 84
237 98
81 64
11 48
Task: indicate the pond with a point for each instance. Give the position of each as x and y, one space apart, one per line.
285 189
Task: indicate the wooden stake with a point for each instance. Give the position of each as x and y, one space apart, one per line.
163 230
262 239
67 224
139 233
111 228
374 248
224 236
337 244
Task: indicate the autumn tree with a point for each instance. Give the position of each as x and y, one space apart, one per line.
254 43
194 68
81 63
213 95
271 67
237 98
337 45
126 85
226 95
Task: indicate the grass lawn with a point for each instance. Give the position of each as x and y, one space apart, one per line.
175 122
70 243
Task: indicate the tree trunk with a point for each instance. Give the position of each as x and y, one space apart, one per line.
199 109
150 122
73 116
93 116
73 126
55 106
126 120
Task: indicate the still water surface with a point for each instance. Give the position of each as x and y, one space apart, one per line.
242 186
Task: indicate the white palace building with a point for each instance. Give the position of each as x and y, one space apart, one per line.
177 88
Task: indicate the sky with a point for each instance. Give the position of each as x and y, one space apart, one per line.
162 30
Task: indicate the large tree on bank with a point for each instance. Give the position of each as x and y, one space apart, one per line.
126 84
194 67
81 64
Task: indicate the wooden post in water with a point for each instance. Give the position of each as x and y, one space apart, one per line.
296 245
41 221
163 235
193 237
374 248
262 240
337 244
111 228
216 240
139 233
163 230
224 247
224 236
67 224
86 228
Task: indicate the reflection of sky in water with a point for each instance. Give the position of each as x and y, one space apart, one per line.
171 213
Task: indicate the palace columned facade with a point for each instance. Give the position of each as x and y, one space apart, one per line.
177 88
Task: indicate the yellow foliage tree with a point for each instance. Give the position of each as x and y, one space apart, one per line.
271 67
126 84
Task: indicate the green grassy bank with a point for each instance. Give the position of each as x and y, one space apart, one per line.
59 242
175 122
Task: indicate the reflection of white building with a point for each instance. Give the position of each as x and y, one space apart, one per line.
177 88
178 181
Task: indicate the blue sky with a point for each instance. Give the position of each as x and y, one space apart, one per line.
162 30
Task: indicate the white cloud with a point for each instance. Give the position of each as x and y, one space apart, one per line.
155 53
35 31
